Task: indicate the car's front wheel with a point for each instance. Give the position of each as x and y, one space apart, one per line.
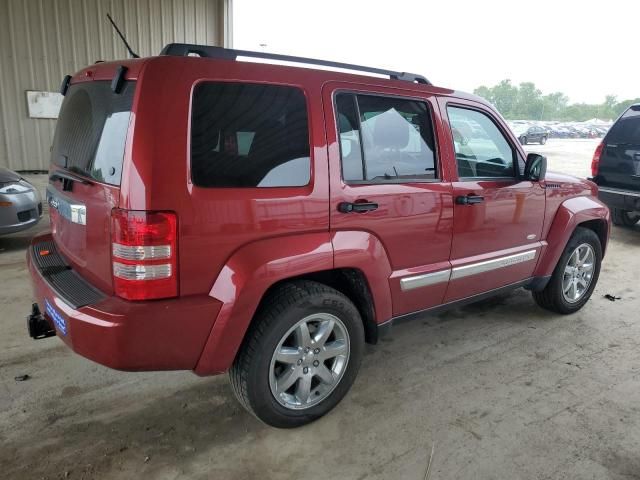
575 275
543 140
523 140
301 355
624 218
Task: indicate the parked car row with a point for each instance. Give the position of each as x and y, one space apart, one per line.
576 131
540 132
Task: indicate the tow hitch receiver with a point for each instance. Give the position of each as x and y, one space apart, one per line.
38 327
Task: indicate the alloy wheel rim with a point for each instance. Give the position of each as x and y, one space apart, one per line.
578 273
309 361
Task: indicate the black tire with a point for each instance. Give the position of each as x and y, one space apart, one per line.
543 140
624 218
523 140
278 313
552 298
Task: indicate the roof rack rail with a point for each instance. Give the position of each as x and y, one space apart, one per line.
185 49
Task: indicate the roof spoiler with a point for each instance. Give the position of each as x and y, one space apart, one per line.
206 51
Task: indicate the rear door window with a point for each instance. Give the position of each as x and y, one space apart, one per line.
92 130
249 135
385 139
626 129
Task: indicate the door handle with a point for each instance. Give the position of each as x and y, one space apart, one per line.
470 199
348 207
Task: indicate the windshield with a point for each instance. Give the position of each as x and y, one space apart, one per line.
92 130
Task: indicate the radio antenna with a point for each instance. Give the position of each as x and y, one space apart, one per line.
133 54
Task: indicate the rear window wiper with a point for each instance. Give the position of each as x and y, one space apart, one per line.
67 178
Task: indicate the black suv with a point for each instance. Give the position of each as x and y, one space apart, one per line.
528 134
616 168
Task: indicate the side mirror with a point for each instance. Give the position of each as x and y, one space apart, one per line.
536 167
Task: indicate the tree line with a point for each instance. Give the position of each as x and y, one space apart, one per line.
526 102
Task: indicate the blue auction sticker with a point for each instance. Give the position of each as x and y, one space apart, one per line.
58 319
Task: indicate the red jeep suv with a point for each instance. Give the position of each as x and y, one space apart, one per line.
213 214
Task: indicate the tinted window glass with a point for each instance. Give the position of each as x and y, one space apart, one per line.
92 130
249 135
627 129
395 136
481 148
352 167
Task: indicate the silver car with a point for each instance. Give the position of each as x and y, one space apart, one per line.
20 203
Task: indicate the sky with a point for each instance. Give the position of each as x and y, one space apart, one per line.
585 49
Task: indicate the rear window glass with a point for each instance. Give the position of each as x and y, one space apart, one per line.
249 135
626 129
92 130
394 135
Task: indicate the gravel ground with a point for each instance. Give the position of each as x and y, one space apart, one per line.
499 390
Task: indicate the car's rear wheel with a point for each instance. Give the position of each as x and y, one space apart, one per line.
301 355
543 140
523 140
575 275
624 218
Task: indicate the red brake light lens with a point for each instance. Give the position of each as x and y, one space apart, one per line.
595 163
144 251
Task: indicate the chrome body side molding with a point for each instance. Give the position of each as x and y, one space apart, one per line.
424 280
494 264
433 278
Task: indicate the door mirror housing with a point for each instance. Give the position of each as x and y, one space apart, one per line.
536 167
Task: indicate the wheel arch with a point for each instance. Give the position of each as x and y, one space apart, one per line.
354 263
352 283
587 212
601 228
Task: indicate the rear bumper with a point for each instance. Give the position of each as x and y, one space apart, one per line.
619 198
153 335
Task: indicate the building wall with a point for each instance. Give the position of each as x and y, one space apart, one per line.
41 41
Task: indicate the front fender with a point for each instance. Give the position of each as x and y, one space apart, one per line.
243 281
570 214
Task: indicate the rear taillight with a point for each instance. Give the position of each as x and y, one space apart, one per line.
144 250
595 162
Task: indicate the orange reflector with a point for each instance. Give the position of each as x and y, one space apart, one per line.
44 252
5 204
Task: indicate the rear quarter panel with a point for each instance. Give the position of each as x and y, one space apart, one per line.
243 281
